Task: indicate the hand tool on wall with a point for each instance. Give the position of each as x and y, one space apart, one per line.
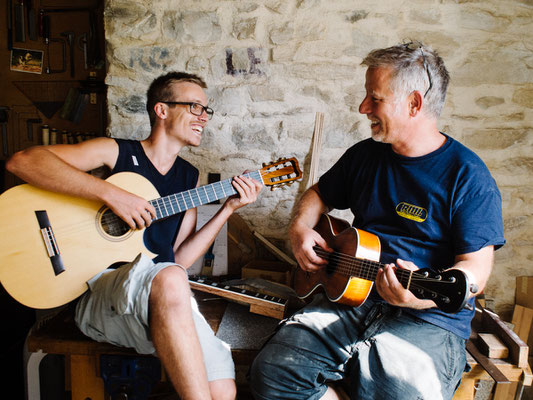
69 35
20 30
32 22
94 53
47 40
41 23
82 45
9 25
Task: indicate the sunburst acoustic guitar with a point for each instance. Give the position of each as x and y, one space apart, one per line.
353 266
52 244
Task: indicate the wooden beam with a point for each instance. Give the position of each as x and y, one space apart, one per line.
518 349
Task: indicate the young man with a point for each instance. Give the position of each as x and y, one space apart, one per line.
394 345
147 304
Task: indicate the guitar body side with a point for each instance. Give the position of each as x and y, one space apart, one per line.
338 286
25 267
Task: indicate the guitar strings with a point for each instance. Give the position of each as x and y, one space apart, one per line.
110 219
348 264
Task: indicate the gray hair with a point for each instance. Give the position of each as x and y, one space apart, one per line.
415 67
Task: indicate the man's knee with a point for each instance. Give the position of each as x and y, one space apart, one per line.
274 371
170 286
223 389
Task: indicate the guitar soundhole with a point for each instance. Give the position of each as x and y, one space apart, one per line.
112 226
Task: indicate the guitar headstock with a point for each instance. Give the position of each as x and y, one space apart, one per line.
282 172
449 289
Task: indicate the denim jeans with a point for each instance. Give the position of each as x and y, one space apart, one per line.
382 351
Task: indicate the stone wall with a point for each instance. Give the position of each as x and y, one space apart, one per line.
272 65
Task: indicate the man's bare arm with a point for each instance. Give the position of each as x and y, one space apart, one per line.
301 233
62 168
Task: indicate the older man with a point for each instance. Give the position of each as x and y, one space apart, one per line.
433 204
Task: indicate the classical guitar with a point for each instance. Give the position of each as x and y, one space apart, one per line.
52 244
352 269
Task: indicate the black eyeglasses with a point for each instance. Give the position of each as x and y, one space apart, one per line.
194 108
416 46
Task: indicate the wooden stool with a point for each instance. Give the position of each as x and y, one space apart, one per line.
59 335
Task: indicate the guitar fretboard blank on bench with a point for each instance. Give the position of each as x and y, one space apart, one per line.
264 304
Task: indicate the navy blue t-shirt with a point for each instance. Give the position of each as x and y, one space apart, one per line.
424 209
159 237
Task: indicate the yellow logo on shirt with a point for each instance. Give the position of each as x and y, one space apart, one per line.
412 212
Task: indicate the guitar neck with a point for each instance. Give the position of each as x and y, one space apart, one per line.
360 268
183 201
259 303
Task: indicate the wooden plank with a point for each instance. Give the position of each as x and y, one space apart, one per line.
274 250
86 384
491 346
466 390
518 349
487 364
527 377
522 321
502 391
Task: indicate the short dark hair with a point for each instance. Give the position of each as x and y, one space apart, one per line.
159 89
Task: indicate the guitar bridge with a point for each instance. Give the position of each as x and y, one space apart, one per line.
50 242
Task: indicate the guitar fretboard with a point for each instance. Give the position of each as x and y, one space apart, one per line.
260 303
183 201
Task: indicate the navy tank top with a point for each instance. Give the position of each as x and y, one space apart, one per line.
159 238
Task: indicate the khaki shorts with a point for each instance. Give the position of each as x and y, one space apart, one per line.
115 310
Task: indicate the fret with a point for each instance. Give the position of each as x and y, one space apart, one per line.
213 193
158 213
165 206
255 175
157 204
189 203
229 188
175 204
195 198
172 204
181 202
206 195
221 184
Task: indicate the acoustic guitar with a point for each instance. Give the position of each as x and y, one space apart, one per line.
353 266
52 243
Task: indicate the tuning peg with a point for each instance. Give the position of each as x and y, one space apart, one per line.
474 288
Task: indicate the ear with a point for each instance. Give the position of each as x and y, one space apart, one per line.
415 103
161 110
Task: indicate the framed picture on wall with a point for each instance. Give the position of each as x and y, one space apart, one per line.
25 60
